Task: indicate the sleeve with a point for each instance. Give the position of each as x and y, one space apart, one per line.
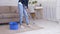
27 3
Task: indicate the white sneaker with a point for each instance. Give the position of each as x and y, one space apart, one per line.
22 27
30 26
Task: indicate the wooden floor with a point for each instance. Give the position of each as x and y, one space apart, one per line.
40 27
5 29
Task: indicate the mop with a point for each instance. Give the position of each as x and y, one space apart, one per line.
31 20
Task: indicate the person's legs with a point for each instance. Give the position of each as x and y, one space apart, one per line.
26 15
20 13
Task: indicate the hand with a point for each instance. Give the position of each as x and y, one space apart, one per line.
27 10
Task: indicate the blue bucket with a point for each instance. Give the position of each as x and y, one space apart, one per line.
13 25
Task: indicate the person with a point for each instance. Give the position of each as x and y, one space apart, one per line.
23 5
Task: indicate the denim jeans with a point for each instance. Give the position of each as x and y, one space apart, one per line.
23 12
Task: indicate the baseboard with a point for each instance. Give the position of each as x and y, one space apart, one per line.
8 23
4 23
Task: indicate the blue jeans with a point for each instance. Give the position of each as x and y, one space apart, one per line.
23 12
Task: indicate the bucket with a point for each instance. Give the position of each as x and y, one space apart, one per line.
13 25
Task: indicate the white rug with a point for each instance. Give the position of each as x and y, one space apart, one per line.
31 32
40 32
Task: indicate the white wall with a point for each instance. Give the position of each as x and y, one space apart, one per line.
8 2
11 2
58 10
49 7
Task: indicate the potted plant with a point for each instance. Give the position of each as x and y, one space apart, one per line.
32 4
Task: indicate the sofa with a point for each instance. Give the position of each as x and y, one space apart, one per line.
9 13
